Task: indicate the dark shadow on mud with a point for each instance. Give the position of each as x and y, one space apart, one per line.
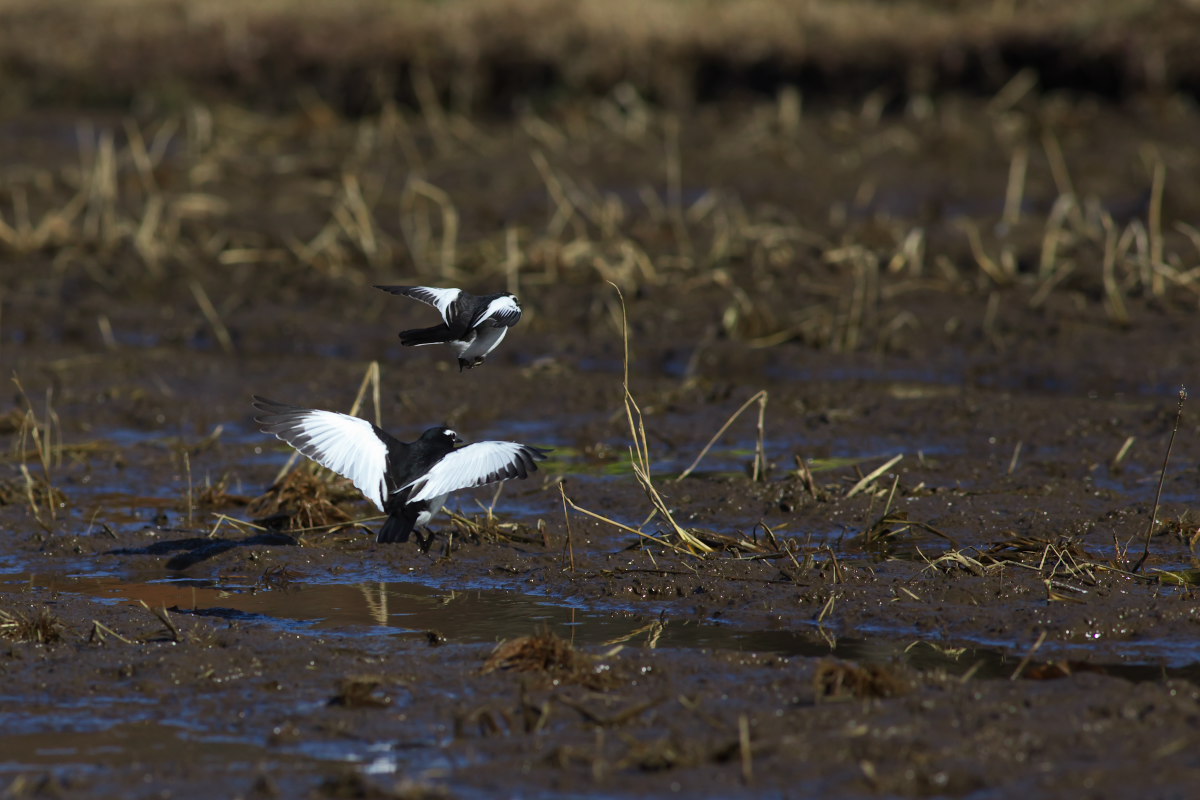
200 548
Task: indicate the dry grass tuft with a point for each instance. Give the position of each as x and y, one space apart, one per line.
1064 566
550 655
844 680
677 538
40 626
640 452
305 499
217 495
490 528
32 490
895 527
957 561
40 438
361 691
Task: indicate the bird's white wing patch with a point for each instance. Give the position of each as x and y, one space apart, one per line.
504 310
485 341
345 444
475 465
441 299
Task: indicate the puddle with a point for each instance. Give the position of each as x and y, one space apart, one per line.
470 616
488 615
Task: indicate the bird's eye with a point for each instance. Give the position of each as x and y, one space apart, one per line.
450 433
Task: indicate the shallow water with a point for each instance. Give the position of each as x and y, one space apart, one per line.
489 615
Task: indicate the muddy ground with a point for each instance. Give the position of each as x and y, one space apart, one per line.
1000 291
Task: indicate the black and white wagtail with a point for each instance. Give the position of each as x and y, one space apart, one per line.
472 324
407 480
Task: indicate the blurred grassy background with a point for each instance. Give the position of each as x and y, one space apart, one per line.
481 55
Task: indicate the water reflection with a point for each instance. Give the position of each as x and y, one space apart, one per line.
475 616
486 615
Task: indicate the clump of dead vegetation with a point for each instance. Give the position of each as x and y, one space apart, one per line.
36 493
39 441
40 626
306 498
844 680
488 527
218 495
551 656
361 691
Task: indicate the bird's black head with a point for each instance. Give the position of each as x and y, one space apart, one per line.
441 435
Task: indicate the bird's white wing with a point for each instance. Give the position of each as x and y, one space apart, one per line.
345 444
475 465
486 340
441 299
504 310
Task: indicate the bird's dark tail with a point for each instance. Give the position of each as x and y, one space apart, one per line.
438 334
396 529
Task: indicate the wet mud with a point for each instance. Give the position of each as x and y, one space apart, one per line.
921 575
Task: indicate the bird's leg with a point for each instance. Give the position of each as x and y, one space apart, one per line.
423 542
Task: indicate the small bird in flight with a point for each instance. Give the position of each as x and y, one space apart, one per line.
472 324
407 480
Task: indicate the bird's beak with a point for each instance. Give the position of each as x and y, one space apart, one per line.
458 439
